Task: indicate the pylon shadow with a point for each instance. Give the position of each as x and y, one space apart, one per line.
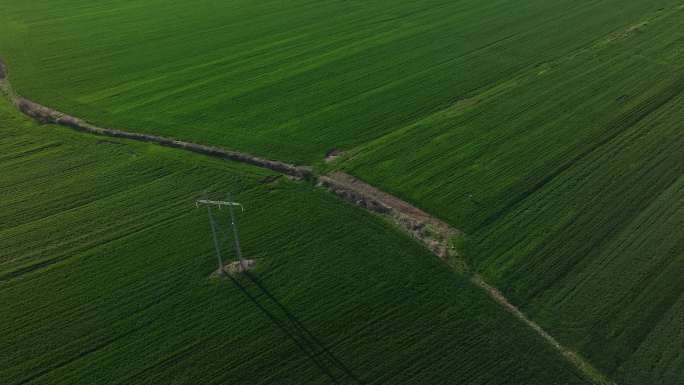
290 325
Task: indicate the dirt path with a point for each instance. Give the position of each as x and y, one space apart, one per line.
48 115
434 233
580 363
437 236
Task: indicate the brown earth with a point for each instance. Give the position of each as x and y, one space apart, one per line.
434 233
237 267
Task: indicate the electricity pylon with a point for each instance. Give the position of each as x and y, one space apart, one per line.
214 228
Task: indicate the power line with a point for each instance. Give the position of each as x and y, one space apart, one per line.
215 229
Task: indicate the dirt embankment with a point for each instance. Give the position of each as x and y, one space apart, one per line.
47 115
434 233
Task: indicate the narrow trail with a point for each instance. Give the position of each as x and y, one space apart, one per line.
48 115
434 233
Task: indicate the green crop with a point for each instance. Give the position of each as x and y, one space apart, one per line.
568 182
288 80
548 131
106 265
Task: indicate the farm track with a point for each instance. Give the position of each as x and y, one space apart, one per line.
434 233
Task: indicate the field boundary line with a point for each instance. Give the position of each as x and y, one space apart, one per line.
47 115
435 234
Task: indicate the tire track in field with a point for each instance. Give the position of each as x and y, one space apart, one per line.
612 130
435 234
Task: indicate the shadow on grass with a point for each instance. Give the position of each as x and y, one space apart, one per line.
318 353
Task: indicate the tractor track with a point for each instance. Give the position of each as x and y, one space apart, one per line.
432 232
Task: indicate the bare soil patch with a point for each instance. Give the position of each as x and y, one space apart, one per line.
433 232
237 267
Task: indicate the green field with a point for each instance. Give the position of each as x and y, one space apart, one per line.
549 132
288 80
568 181
105 270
